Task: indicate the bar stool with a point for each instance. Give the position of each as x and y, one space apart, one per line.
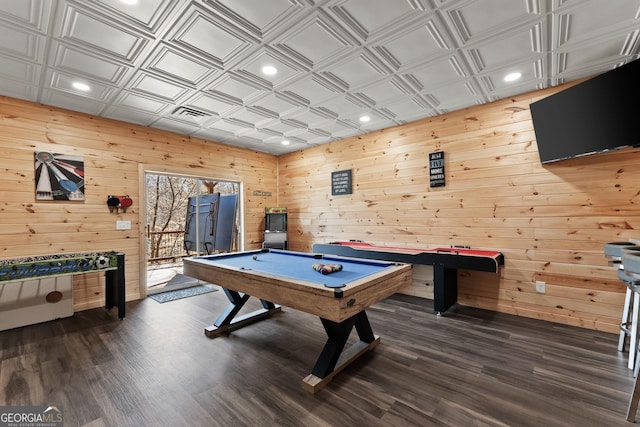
629 323
631 308
631 262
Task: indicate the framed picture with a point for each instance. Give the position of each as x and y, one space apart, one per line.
59 176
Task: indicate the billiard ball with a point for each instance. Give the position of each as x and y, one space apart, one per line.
255 257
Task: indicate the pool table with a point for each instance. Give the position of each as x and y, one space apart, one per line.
288 278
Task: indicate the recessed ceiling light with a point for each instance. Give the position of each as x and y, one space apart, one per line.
285 142
269 70
129 2
512 77
365 118
81 86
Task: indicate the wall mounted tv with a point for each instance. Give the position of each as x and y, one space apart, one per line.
597 115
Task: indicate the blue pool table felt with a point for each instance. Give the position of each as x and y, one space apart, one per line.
299 266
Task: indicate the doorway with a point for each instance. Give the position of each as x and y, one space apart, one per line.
187 216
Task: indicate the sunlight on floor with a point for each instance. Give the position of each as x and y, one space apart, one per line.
168 277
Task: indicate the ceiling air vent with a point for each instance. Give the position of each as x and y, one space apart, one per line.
190 113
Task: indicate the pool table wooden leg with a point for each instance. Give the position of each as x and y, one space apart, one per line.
333 357
228 322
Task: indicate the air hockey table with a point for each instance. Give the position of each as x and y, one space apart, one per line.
445 262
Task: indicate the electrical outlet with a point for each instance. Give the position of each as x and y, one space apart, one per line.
123 225
540 287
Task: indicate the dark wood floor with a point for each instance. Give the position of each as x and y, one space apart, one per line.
467 368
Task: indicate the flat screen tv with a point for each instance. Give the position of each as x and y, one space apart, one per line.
597 115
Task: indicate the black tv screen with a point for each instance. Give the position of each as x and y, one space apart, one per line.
596 115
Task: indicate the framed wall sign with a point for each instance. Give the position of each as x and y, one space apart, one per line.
341 182
436 169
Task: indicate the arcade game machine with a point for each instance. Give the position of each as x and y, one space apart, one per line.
275 230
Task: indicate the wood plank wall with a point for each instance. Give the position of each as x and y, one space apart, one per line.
114 153
551 221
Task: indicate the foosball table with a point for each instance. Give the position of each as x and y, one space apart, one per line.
37 289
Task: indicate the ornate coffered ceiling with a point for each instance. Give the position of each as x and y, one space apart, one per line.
194 66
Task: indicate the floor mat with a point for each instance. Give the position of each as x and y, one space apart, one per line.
182 293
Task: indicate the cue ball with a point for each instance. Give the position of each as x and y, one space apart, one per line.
255 257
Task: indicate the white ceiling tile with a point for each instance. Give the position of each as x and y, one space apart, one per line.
32 14
584 56
21 43
19 70
476 19
371 16
345 132
278 103
382 92
526 68
253 139
263 14
176 126
407 105
310 137
215 39
61 81
316 41
100 34
155 86
593 18
83 63
214 134
278 127
140 102
177 65
453 96
436 74
308 117
376 124
356 71
403 48
227 126
498 52
253 67
341 106
146 12
311 89
130 115
211 104
73 102
18 89
233 88
334 127
249 116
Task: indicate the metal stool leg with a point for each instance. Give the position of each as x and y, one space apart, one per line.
633 402
624 330
633 339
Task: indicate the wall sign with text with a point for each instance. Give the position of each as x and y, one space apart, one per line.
436 169
341 182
